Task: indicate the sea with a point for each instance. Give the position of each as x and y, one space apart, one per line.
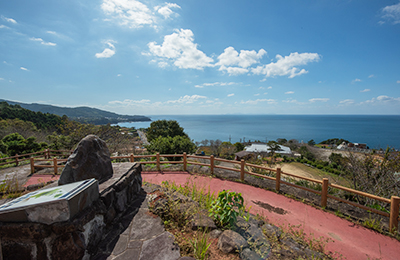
377 131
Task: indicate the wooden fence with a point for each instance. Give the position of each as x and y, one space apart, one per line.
394 201
46 154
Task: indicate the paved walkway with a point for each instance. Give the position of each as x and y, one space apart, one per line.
346 239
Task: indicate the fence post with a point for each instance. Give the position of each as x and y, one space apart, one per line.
158 162
16 160
242 164
394 214
184 161
32 165
132 158
55 165
212 164
278 180
324 192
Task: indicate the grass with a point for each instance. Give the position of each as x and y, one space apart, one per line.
10 188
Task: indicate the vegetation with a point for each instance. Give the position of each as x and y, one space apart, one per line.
164 128
85 115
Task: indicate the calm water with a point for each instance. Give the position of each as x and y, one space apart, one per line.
375 131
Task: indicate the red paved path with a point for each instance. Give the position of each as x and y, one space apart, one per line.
350 240
41 178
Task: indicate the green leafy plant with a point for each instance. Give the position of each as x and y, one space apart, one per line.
227 207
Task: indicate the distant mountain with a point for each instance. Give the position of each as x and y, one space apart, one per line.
82 114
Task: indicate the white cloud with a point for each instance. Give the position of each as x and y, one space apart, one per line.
269 87
1 79
230 57
387 99
131 13
391 13
256 95
287 65
255 102
289 100
398 82
166 9
215 84
179 48
42 41
365 90
356 80
186 99
10 20
347 102
318 99
119 75
234 70
22 68
231 95
289 92
371 76
3 26
107 52
130 102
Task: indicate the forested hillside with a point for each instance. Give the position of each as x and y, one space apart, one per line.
40 120
81 114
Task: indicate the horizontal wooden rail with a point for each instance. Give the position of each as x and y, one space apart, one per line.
360 193
260 167
302 177
301 187
228 161
198 157
227 168
359 206
260 175
197 163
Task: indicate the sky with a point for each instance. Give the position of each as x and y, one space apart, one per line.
152 57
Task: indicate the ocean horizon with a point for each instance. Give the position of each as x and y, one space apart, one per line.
377 131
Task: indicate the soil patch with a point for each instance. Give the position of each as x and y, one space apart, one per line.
270 208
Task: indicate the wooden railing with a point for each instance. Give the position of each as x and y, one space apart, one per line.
46 154
279 179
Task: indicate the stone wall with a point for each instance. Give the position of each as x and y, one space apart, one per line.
78 238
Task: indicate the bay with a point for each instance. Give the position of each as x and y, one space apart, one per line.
377 131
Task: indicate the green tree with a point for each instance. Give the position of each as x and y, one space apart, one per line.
311 142
171 145
239 146
273 148
164 128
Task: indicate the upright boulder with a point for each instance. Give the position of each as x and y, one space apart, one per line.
91 159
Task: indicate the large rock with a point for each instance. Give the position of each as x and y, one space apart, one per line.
91 159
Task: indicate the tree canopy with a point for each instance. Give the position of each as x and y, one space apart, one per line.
164 128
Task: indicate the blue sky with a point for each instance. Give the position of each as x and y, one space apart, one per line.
203 57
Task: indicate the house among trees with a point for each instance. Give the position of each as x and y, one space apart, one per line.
345 145
262 149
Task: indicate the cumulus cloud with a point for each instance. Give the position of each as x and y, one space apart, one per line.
391 13
22 68
371 76
289 92
255 102
236 63
287 65
181 50
387 99
231 95
186 99
356 80
365 90
130 13
165 10
10 20
347 102
42 41
318 100
107 52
